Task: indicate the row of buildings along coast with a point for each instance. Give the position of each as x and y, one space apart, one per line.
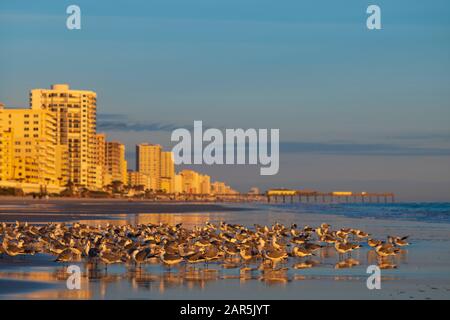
54 144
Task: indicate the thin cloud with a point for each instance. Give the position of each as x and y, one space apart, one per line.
360 149
110 116
437 136
120 122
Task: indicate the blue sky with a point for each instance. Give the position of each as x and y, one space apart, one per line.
356 109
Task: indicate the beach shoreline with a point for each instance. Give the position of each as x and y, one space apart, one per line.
422 271
69 209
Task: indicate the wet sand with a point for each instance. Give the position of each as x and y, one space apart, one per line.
68 209
422 273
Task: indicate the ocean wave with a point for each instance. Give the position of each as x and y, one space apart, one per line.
427 212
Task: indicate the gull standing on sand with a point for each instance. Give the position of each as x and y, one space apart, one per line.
398 241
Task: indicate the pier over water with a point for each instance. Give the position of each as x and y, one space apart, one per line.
285 195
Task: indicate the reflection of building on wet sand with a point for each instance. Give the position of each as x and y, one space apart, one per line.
59 294
189 220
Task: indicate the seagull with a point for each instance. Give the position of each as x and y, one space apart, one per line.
108 257
195 258
386 249
373 243
230 249
301 252
11 248
345 247
170 258
275 256
247 253
360 234
398 241
69 255
141 256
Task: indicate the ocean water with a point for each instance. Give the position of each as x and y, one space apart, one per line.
426 211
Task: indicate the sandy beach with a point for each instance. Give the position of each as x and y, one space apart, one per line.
422 271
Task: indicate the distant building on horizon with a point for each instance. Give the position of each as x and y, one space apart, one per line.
148 162
116 165
254 190
178 183
167 175
136 179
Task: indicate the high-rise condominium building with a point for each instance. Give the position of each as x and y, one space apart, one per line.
148 162
167 172
101 172
28 147
75 112
116 165
6 151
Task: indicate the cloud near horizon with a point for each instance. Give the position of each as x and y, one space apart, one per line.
369 149
121 123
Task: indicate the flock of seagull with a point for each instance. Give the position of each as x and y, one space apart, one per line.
173 244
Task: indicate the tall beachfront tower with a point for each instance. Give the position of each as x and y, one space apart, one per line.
76 114
101 171
6 152
148 162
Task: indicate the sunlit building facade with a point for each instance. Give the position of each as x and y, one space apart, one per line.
219 188
116 165
167 172
138 179
205 184
29 147
148 162
6 151
178 183
101 174
191 181
76 113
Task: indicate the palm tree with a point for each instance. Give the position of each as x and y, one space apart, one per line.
117 186
69 189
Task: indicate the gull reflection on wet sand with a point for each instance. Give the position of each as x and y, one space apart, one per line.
237 263
97 282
